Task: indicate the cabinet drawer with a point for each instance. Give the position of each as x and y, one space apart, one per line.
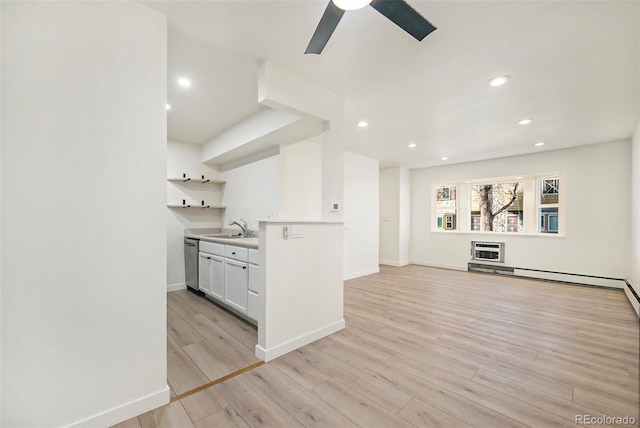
212 248
254 257
236 253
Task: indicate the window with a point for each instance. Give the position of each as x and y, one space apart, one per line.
497 207
548 205
446 207
525 205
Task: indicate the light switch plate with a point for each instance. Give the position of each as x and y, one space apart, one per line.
297 231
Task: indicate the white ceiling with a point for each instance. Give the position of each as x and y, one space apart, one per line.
574 68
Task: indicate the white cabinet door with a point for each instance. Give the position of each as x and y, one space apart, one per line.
252 305
253 278
204 273
216 289
237 283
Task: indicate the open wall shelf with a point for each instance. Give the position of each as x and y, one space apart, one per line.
195 180
214 207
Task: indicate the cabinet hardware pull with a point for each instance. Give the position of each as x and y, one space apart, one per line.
244 267
233 253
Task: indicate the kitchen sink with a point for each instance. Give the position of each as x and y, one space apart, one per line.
227 236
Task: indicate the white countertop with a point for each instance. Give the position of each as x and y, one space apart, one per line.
242 242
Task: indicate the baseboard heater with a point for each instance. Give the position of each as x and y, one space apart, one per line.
598 281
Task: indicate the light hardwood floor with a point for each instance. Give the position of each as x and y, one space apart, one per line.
204 342
430 347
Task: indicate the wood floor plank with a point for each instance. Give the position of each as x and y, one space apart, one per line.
606 404
299 370
536 397
370 346
168 416
182 332
129 423
373 387
204 403
363 411
296 400
182 373
235 350
209 360
422 414
492 399
224 418
255 406
243 332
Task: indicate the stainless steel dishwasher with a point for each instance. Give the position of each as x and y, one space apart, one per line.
191 263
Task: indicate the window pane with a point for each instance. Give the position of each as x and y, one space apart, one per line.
446 207
497 207
549 220
549 190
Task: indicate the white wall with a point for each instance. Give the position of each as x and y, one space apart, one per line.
404 215
395 188
301 180
301 286
635 216
83 212
185 158
361 215
597 188
252 192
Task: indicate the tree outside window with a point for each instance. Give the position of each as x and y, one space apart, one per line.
497 207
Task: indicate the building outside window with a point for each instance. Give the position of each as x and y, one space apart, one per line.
548 209
446 208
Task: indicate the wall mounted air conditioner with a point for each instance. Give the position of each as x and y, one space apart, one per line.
487 251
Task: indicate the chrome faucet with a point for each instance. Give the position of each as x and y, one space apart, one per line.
244 228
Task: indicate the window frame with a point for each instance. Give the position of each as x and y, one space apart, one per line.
531 204
439 218
540 205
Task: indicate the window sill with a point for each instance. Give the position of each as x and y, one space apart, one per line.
493 234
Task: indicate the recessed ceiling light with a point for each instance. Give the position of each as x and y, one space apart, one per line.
184 82
525 121
167 106
444 158
412 145
539 144
363 124
498 81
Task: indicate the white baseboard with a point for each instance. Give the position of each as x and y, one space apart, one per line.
175 287
632 298
572 278
298 342
439 265
361 273
126 411
393 263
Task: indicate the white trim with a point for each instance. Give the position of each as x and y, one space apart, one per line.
176 287
576 278
393 263
126 411
298 342
631 297
439 265
361 273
